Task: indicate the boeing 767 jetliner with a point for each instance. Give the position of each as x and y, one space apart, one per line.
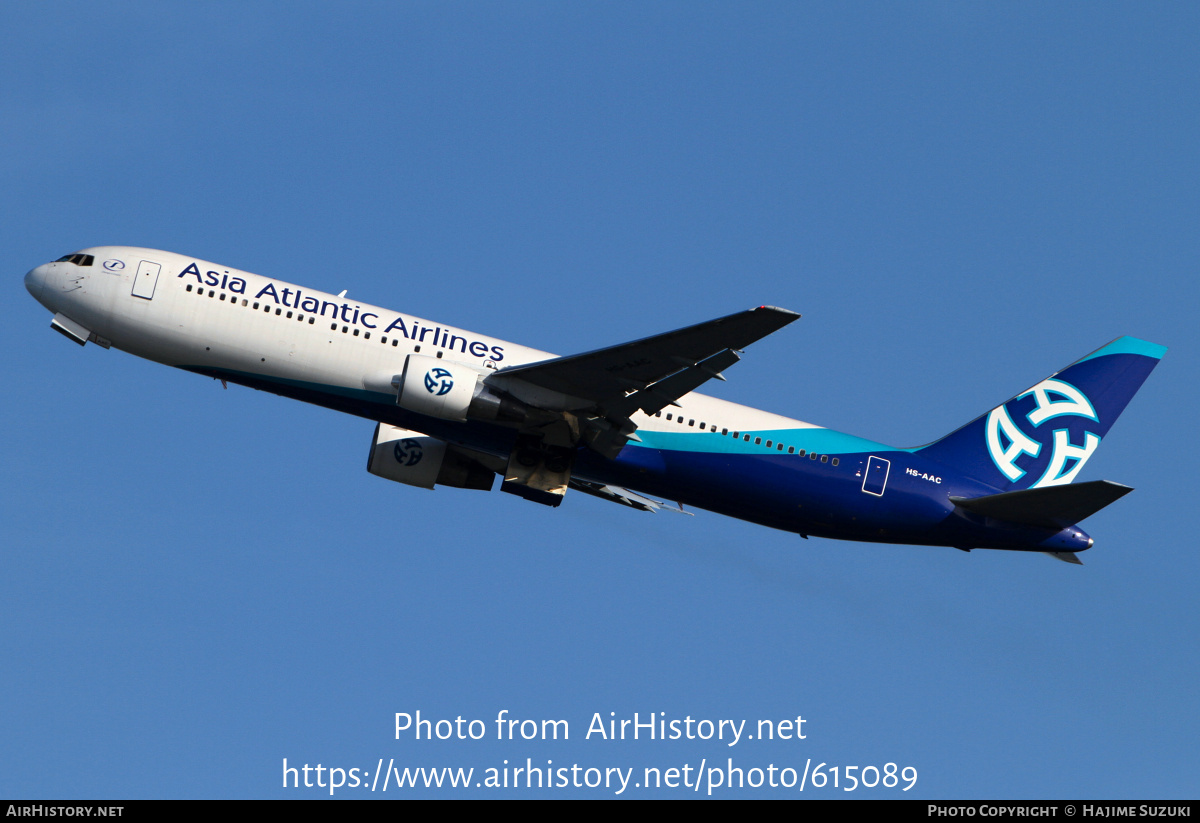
624 423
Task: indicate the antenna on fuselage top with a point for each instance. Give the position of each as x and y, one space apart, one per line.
343 294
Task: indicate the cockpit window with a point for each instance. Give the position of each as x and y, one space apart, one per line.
77 259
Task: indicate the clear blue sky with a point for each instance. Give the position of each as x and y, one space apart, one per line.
960 198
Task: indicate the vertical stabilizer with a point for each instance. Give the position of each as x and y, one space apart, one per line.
1044 435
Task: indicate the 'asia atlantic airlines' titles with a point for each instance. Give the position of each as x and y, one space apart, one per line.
295 298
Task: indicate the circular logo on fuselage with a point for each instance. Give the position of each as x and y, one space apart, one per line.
114 265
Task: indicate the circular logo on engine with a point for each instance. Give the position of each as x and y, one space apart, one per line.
408 452
114 265
438 381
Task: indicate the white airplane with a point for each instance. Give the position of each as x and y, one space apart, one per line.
455 408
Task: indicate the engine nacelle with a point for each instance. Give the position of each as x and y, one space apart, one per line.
436 387
418 460
451 391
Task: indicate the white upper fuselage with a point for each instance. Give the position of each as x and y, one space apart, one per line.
201 315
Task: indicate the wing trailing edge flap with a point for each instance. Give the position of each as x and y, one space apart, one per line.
1050 507
657 396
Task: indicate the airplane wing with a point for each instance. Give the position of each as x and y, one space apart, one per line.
653 372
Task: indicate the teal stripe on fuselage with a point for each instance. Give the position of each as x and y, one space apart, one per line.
821 441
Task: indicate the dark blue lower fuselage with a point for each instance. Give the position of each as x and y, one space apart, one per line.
882 496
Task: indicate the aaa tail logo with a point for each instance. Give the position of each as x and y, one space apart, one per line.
1007 443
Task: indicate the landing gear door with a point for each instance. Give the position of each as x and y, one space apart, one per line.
537 471
146 279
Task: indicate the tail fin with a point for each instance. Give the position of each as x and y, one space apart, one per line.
1044 435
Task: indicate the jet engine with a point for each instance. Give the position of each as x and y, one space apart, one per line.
452 391
417 460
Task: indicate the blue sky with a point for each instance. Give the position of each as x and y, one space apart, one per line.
959 198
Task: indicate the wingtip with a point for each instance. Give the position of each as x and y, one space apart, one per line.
777 309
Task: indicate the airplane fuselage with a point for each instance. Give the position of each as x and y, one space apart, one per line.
345 355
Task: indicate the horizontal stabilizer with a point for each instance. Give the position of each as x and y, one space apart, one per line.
1051 507
625 497
1066 557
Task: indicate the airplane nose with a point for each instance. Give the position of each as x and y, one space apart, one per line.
35 281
